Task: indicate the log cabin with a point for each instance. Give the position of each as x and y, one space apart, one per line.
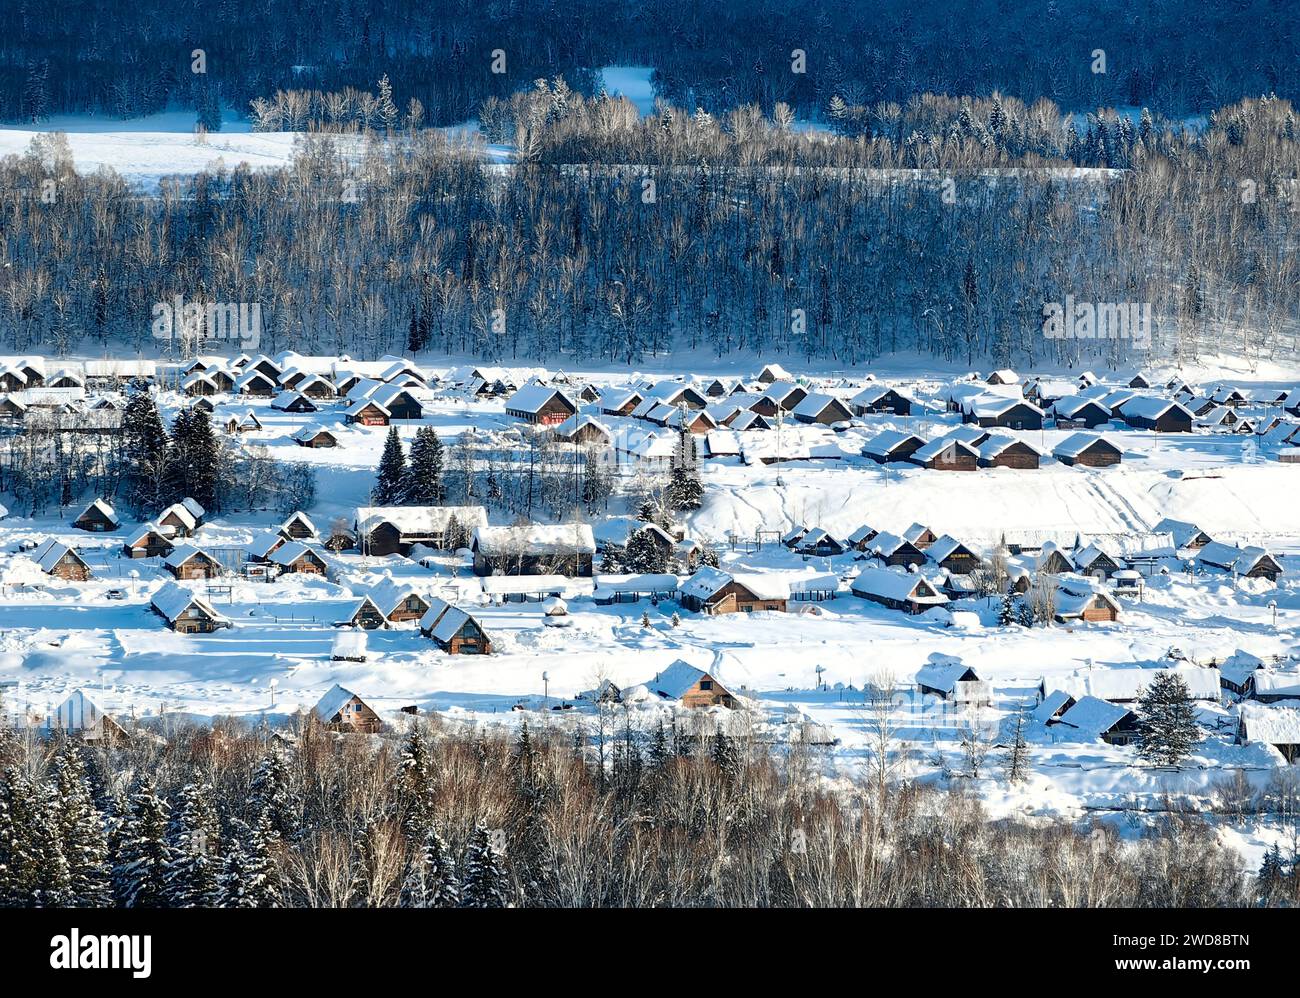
314 436
367 412
904 591
945 454
57 559
97 518
1087 450
895 549
342 710
714 592
541 404
880 399
186 612
454 630
534 549
691 687
1157 414
892 446
147 542
296 558
824 410
364 614
189 562
382 530
1000 451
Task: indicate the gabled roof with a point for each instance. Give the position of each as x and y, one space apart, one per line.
531 399
1231 557
886 442
945 547
902 586
173 599
388 595
673 682
143 532
938 445
420 521
360 405
1151 407
1076 443
1270 725
291 551
536 538
1182 531
51 552
945 674
104 508
886 543
814 403
180 555
1093 716
999 442
310 431
333 702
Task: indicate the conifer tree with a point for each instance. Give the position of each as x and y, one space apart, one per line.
249 875
1017 759
390 478
194 873
484 882
431 880
32 870
1007 611
271 796
140 867
423 478
414 786
145 453
724 755
1167 728
79 831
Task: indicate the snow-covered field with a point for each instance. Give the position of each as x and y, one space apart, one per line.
809 664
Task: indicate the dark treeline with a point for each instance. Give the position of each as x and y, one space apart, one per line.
616 816
746 240
135 58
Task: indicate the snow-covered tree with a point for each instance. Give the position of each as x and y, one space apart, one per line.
390 477
79 831
194 872
484 882
143 854
1167 728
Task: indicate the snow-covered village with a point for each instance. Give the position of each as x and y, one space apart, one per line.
511 459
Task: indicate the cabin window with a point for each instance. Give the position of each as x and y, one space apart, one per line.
412 603
706 685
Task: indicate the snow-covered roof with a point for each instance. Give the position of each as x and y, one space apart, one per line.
443 621
390 594
1271 725
51 552
944 547
644 583
938 445
535 538
883 443
333 702
944 675
1052 703
887 583
531 398
310 431
673 682
504 585
1076 443
291 551
996 405
998 442
182 513
1182 531
143 532
174 599
104 508
887 543
420 520
360 405
872 394
813 403
1093 716
180 555
1152 407
1276 683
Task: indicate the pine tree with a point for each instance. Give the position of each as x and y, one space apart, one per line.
643 554
249 875
659 746
1017 759
193 876
1007 612
724 755
145 453
32 870
422 480
1024 612
140 868
611 559
414 786
484 883
391 474
271 797
1167 728
79 831
431 879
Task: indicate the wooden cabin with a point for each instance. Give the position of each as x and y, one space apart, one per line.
97 518
454 630
189 562
367 412
186 612
342 710
315 437
715 592
294 557
148 542
907 592
60 561
541 404
1087 450
691 687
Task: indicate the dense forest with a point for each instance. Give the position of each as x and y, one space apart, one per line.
1176 56
942 226
608 812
